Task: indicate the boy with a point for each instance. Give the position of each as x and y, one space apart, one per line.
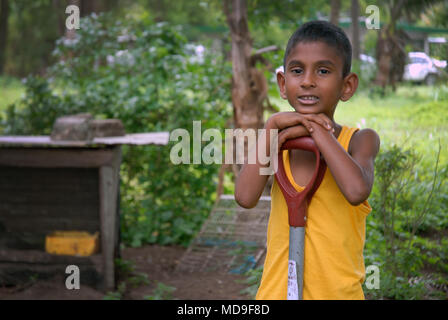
316 76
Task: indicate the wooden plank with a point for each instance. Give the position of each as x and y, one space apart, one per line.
40 141
145 138
56 158
160 138
42 257
232 197
30 210
14 273
48 225
109 178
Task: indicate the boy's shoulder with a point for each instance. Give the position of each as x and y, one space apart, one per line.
365 141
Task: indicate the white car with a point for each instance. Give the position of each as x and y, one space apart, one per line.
422 68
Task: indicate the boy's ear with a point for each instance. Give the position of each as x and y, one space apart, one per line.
281 84
349 87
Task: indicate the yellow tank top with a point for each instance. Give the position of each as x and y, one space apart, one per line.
334 241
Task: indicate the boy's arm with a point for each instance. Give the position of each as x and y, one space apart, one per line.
353 171
250 184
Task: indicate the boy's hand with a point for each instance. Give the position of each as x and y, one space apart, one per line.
293 124
324 122
317 127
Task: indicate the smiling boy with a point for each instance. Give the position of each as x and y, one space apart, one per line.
316 76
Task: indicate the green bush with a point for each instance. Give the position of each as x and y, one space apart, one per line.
145 75
408 202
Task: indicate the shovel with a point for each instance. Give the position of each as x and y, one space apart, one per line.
297 203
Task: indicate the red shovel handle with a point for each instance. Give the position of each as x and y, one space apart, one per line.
298 201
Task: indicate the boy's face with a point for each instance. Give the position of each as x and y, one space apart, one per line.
312 81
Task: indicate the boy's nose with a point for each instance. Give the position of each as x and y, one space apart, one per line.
308 81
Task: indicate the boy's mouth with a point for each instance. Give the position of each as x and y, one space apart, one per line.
308 99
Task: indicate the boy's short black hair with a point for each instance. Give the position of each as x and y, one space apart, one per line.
326 32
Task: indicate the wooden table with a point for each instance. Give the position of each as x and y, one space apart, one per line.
62 185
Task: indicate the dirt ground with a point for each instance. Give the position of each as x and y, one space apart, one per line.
148 273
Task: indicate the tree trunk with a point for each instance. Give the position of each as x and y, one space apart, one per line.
355 29
59 8
384 51
335 9
246 86
249 86
4 14
88 6
97 6
71 34
388 44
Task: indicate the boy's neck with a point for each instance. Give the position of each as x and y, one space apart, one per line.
337 130
337 127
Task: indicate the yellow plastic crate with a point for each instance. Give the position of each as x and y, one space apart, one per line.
72 243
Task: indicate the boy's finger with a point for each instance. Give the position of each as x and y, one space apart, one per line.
307 125
320 120
287 119
323 120
291 133
327 120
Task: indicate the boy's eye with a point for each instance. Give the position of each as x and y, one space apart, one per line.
323 71
297 71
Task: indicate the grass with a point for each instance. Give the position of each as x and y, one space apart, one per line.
11 90
413 117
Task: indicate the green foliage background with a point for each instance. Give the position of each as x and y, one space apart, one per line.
145 75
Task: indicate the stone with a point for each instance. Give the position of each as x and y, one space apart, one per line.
107 128
73 128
